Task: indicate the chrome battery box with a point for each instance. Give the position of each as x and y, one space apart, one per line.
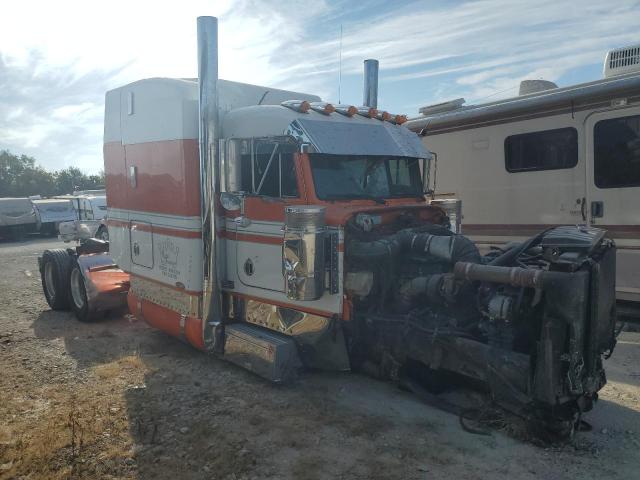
267 353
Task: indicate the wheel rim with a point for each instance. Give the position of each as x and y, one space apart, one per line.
48 279
77 287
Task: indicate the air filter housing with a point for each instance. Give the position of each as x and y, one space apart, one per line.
303 252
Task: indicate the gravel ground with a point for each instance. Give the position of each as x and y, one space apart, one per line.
116 399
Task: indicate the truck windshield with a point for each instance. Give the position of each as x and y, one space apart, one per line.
340 176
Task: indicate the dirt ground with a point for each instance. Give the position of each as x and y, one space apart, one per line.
116 399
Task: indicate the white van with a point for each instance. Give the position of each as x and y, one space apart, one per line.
553 157
17 217
50 212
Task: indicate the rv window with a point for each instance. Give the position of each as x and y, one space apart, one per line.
616 152
269 170
547 150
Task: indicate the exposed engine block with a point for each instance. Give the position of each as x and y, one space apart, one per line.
530 322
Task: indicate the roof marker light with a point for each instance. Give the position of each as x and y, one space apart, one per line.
347 110
301 106
398 119
367 112
384 116
322 107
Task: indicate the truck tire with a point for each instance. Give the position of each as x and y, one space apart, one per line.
102 233
54 273
80 303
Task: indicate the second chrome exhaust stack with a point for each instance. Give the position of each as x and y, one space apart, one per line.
370 95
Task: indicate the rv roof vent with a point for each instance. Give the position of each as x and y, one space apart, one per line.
622 60
442 107
535 86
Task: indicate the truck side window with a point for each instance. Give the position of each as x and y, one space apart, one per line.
546 150
88 210
269 170
616 152
82 210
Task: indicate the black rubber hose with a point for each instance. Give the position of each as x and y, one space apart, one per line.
386 247
452 248
508 257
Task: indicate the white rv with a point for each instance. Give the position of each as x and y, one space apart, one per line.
551 156
17 217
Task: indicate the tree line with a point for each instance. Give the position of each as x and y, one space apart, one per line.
20 176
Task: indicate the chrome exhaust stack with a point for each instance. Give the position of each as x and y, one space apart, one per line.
209 176
370 95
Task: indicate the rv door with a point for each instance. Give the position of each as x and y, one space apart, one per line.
613 189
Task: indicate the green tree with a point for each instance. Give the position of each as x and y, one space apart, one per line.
21 177
70 179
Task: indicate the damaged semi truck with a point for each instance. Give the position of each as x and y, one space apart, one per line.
284 234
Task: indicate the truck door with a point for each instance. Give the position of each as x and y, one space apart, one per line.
268 178
613 193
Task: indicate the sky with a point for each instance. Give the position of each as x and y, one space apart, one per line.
58 58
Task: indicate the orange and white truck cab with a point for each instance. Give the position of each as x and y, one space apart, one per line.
273 157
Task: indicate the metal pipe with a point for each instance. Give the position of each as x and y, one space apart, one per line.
209 172
516 276
370 96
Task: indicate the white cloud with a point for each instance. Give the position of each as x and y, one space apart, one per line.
80 111
480 44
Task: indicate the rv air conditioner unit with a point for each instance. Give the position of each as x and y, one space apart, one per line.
622 60
442 107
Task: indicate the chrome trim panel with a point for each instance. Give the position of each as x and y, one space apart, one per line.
180 302
320 339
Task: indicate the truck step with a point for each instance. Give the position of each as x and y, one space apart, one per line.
270 354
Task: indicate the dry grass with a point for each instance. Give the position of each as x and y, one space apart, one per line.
125 365
81 432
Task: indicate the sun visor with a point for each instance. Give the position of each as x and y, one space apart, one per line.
355 138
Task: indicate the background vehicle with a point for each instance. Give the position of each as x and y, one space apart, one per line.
281 234
17 217
91 213
550 156
50 212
